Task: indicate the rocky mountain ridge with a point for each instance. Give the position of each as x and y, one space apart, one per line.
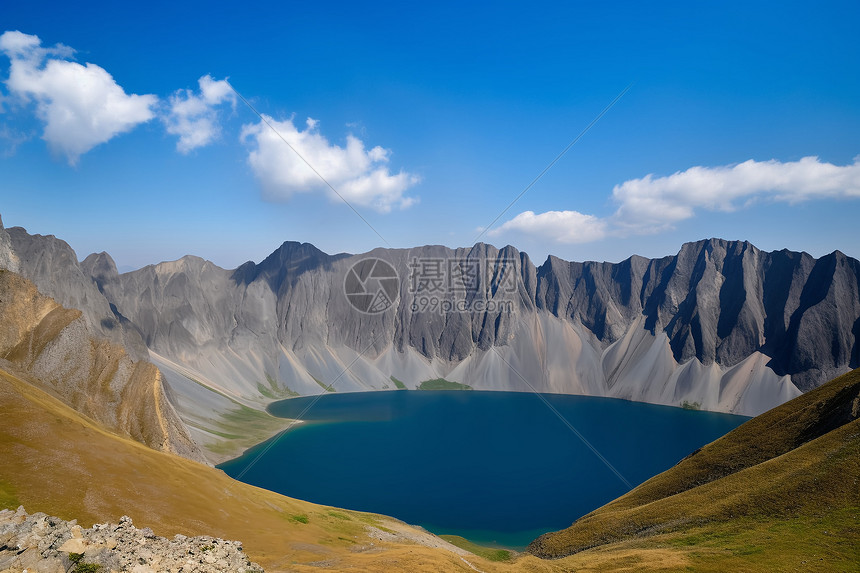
721 325
53 347
81 356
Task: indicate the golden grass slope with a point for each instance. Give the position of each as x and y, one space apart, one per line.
57 461
60 462
780 492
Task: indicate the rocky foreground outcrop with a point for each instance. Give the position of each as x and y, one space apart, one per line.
45 544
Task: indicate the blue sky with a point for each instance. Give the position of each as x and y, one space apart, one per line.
742 121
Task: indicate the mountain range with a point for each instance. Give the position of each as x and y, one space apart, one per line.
113 385
721 325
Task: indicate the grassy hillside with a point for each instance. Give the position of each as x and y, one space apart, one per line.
781 491
57 461
60 462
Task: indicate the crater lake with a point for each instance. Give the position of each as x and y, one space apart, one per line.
498 468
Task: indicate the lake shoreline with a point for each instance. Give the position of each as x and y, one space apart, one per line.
443 458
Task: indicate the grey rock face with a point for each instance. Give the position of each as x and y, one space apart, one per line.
294 298
8 259
717 303
52 266
48 544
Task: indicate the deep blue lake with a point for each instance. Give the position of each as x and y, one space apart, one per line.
498 468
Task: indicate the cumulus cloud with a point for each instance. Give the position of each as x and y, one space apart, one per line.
360 175
80 105
557 226
654 204
194 117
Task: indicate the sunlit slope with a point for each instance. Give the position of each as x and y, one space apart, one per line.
782 490
56 350
57 461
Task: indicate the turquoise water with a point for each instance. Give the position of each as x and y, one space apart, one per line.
498 468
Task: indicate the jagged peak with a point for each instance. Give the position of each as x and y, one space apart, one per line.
290 258
18 232
22 230
716 242
102 258
296 246
185 263
100 266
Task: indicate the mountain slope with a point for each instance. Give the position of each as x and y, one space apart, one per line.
721 324
57 461
52 346
793 472
52 266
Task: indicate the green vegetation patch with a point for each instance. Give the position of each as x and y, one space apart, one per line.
691 405
300 518
244 416
274 391
488 553
442 384
400 385
77 559
242 427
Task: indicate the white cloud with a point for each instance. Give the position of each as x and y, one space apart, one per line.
557 226
19 45
361 176
654 204
194 117
80 105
